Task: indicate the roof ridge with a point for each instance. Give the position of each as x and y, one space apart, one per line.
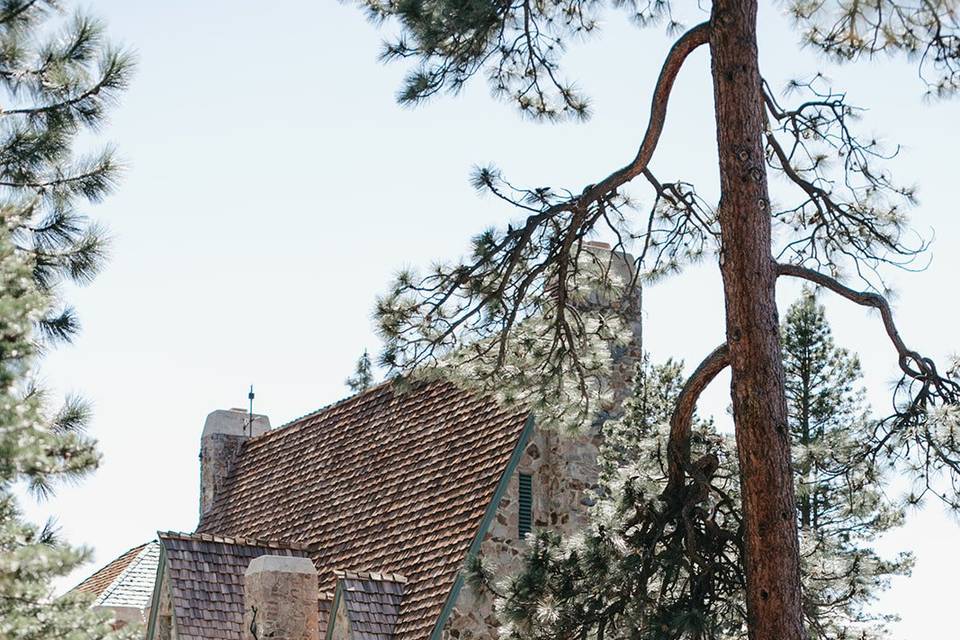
237 540
370 575
414 378
326 407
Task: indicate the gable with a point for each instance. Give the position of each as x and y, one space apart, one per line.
203 577
367 606
383 482
133 587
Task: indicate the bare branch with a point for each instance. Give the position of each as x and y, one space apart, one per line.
911 362
687 44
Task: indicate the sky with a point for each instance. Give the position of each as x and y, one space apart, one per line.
273 187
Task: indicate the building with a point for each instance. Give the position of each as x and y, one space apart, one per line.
125 586
355 521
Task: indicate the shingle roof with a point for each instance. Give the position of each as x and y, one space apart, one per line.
372 603
383 482
104 577
205 575
134 586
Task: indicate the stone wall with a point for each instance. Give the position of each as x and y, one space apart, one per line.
562 469
164 629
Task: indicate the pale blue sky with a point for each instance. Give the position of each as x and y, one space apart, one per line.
274 187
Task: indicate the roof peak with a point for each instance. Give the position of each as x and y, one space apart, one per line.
102 578
356 396
371 575
249 542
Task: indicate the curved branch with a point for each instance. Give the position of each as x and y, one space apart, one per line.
678 447
914 365
908 429
866 299
683 47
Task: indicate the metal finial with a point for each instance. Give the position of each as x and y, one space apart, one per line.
250 397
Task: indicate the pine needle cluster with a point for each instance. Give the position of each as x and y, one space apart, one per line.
59 76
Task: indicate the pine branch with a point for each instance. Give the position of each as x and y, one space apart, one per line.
911 362
678 446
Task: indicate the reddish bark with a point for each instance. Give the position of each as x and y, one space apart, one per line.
749 279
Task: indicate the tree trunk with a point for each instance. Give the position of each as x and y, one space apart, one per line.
772 561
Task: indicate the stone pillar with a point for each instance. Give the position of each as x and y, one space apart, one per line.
628 307
223 433
280 599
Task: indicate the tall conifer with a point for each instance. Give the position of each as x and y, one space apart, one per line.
841 507
58 75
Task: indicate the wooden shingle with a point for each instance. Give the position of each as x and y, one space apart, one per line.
205 575
383 482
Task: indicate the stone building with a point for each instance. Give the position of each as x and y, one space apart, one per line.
355 522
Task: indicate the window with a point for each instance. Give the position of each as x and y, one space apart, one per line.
526 504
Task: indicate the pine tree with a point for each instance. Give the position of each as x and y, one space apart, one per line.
38 450
832 218
57 85
59 77
840 503
362 376
630 576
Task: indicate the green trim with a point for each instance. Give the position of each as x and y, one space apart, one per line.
155 600
488 517
448 607
333 610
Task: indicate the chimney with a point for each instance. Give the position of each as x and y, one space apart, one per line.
223 433
628 306
280 599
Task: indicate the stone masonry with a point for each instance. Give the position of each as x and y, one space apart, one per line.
223 433
280 599
563 467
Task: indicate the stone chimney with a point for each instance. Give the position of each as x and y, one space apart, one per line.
629 306
280 599
223 433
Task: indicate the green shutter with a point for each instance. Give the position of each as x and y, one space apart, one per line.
526 504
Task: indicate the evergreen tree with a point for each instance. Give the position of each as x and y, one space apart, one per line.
37 450
636 571
362 377
840 504
624 578
841 217
58 76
